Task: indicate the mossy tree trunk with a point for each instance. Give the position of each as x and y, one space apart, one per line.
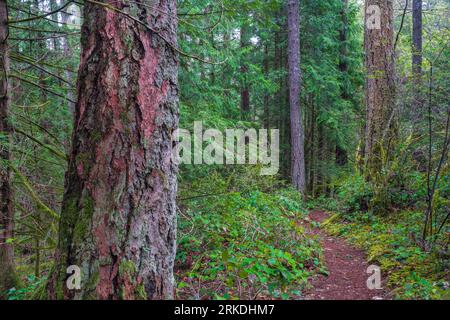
380 85
7 273
118 219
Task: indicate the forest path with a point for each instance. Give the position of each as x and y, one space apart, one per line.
346 266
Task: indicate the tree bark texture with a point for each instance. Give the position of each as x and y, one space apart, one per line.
380 85
7 273
297 133
118 219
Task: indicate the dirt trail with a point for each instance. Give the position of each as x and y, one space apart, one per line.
347 268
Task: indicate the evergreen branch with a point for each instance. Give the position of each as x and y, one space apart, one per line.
39 203
41 87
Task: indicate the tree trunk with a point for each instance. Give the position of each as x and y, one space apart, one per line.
417 63
417 38
312 143
266 96
341 154
297 134
118 219
245 91
343 64
380 86
68 52
7 273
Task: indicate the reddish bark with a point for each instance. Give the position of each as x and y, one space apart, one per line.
118 220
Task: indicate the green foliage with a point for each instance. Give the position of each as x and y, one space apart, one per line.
27 289
244 245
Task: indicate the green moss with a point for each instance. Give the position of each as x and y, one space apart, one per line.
93 281
140 292
127 267
83 218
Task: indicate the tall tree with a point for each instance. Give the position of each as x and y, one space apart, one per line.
68 53
7 273
417 60
417 37
297 133
245 90
380 86
118 218
340 153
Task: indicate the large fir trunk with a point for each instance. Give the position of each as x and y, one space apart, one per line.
118 219
380 86
7 274
297 133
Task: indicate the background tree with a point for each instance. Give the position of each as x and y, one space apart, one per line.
417 61
297 133
7 274
380 90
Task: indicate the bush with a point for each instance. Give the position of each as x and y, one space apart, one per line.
244 245
353 193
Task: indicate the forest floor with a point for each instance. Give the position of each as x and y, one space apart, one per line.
346 266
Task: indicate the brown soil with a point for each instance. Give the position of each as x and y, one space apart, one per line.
346 266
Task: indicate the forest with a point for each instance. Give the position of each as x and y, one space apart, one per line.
224 150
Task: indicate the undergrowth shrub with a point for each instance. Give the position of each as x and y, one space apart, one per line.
245 245
353 193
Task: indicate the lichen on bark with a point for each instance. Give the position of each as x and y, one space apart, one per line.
118 219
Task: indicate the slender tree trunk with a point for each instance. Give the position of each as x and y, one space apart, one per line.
266 96
245 91
118 219
297 133
341 154
7 273
322 156
380 85
68 52
417 63
278 66
312 143
417 38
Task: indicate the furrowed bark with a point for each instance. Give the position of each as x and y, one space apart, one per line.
118 219
7 270
297 133
380 85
